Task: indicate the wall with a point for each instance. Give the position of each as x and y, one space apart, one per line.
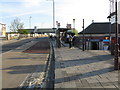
99 40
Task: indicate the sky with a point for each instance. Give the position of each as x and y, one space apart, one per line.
41 12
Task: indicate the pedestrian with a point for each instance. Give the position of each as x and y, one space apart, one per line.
73 40
67 40
70 39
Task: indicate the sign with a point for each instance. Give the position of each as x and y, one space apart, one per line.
106 40
95 40
113 19
119 12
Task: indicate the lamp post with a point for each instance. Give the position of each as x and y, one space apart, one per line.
116 61
83 37
30 22
119 62
109 17
53 14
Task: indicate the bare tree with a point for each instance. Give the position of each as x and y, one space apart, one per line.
16 24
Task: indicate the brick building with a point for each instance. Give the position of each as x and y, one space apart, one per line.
98 36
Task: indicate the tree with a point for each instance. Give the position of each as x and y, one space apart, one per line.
23 31
75 31
16 24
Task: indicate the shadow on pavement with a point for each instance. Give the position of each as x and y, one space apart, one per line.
77 62
84 75
25 69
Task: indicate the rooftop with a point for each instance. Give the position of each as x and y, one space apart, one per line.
100 28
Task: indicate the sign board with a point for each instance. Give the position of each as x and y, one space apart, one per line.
113 19
119 12
95 40
106 40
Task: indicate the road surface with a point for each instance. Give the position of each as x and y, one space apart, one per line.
18 65
10 46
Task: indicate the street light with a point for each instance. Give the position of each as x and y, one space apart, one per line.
116 61
114 14
53 13
109 17
83 48
30 22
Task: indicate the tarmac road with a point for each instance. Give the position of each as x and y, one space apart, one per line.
10 46
17 66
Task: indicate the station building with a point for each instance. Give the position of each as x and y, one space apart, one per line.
98 36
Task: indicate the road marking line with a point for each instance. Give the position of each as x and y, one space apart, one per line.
21 85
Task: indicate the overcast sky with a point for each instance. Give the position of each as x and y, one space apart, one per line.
41 12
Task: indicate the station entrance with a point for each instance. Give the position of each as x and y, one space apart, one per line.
94 45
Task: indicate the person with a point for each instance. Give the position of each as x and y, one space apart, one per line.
73 40
70 38
67 38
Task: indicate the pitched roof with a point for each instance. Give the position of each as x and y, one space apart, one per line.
100 28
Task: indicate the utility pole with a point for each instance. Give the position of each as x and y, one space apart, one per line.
53 14
30 22
116 61
109 17
119 62
83 48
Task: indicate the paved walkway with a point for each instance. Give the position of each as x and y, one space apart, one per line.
89 69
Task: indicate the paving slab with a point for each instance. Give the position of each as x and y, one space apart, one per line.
89 69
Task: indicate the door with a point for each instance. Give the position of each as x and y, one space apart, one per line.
95 45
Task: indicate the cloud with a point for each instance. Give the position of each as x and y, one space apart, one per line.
65 11
25 7
78 9
32 3
6 1
23 14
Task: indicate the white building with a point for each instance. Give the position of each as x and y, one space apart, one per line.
2 30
